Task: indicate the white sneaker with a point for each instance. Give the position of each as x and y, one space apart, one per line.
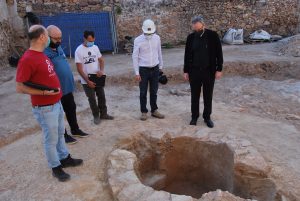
156 114
144 117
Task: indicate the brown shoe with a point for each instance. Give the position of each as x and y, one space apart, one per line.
144 117
156 114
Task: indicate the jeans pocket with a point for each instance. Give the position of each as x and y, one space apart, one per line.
46 109
36 113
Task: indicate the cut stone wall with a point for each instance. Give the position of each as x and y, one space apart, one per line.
173 16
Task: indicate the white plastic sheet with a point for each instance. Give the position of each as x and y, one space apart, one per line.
234 37
260 35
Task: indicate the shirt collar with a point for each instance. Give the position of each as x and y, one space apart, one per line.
57 52
144 36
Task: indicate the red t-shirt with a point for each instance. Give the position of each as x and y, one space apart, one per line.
37 68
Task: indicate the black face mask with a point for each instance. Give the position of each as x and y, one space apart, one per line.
54 45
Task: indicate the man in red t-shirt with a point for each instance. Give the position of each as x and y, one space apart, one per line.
36 68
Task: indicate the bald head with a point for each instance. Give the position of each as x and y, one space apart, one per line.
53 30
38 36
36 31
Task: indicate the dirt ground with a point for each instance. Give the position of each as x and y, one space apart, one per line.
258 100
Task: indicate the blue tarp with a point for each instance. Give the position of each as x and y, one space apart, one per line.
74 24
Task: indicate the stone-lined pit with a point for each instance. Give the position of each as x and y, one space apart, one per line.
192 167
188 167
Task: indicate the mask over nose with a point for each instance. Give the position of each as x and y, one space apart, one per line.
90 44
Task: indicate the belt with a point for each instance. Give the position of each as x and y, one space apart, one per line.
149 68
39 106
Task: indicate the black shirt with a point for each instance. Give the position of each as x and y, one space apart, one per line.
200 51
215 54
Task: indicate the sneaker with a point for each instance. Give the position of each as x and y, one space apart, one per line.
60 174
144 117
156 114
69 139
106 117
80 133
97 120
70 162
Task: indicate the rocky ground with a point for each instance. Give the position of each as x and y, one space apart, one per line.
257 100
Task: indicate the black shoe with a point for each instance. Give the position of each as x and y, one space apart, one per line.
209 123
97 120
69 139
60 174
80 133
70 162
106 117
193 122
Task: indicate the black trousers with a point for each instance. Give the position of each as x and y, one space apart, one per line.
69 107
149 77
205 80
100 107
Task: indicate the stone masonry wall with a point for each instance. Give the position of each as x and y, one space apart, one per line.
276 17
173 16
5 30
11 30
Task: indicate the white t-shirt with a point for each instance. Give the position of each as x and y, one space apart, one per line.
88 57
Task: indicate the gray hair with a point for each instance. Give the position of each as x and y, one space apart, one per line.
198 19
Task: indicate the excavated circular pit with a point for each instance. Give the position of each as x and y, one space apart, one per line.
188 168
191 167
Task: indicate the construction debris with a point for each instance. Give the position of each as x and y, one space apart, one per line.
290 46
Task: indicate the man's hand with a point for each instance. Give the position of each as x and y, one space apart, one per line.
186 76
84 76
21 88
91 84
138 78
51 92
218 75
100 73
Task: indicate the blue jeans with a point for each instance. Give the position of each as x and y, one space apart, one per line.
51 120
149 76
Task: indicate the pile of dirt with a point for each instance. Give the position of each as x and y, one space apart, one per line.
290 46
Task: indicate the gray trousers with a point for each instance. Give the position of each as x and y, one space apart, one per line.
97 108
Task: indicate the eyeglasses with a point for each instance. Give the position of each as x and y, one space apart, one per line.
57 39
